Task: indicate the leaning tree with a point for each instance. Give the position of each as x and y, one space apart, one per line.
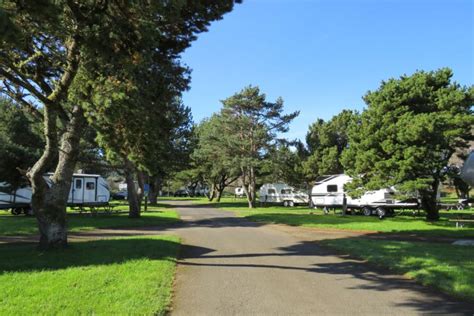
55 54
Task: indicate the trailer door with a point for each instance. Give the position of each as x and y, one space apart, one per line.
90 190
78 190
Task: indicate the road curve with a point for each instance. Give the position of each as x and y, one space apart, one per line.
230 266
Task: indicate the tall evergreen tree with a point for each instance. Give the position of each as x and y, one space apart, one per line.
410 129
250 125
212 159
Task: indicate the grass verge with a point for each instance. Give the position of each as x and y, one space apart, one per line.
112 276
155 216
444 266
404 223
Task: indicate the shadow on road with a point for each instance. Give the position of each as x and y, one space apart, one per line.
375 278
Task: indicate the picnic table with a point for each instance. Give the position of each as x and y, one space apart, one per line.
460 222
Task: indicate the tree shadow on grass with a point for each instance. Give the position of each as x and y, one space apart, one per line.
26 257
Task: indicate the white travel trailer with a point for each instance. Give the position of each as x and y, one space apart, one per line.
87 190
328 192
18 201
283 194
239 192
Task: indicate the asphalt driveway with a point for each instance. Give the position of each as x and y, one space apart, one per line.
229 266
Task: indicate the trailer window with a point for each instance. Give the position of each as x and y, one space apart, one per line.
78 184
286 191
332 188
271 191
90 185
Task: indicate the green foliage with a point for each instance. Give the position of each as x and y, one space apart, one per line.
20 142
136 106
212 160
118 63
249 129
284 164
407 134
326 141
123 276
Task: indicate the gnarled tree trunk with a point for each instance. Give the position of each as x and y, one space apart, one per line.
49 198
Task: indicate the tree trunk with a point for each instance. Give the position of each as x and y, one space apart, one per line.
219 194
247 186
212 193
49 198
253 187
155 186
141 179
133 198
429 202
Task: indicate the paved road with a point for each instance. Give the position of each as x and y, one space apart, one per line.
230 266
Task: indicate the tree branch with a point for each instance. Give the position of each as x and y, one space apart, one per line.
27 106
25 84
72 64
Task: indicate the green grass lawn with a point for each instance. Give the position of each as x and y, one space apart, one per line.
155 216
304 216
444 266
125 276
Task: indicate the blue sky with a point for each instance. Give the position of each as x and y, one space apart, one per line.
323 56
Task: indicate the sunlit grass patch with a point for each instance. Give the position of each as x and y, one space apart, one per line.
155 216
106 277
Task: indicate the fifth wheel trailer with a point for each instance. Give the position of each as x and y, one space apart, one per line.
86 190
328 192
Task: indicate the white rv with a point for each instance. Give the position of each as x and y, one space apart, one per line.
18 201
328 192
86 190
283 194
239 192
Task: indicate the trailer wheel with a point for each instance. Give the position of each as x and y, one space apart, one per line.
16 211
367 211
28 211
285 203
291 203
381 212
326 210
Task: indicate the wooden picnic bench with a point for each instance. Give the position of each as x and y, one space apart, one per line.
461 221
